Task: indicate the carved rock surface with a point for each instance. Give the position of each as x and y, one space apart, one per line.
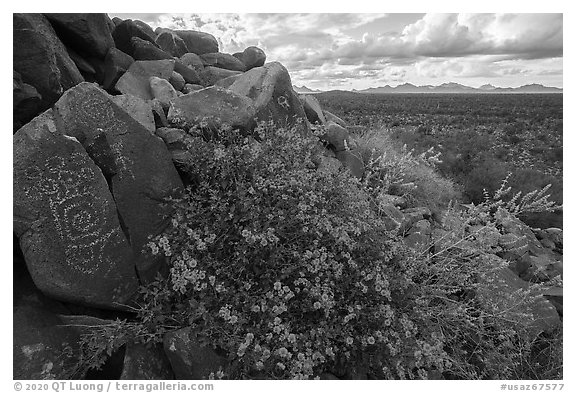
271 90
65 218
137 164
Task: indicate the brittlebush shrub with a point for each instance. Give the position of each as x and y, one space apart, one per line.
288 269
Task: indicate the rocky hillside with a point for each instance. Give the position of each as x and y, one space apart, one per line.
104 114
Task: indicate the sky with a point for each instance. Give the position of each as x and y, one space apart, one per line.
357 51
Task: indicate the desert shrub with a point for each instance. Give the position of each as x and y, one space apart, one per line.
291 272
391 167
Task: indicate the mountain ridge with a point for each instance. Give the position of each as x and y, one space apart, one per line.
449 87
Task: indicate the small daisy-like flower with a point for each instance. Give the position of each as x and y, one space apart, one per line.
292 338
259 365
277 329
349 340
370 340
233 319
277 285
255 308
283 352
212 280
317 305
280 365
249 337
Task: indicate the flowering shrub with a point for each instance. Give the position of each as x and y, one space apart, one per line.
287 268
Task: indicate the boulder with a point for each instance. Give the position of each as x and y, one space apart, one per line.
136 81
163 91
160 119
329 165
189 74
188 358
116 21
26 102
211 108
271 90
333 118
41 59
137 165
125 31
223 60
189 88
337 138
86 69
351 160
251 57
419 236
146 50
312 108
192 60
177 81
87 34
146 362
66 220
143 26
171 43
209 76
140 110
116 64
198 42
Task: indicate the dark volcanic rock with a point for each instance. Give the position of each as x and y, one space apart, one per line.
271 90
188 358
136 81
213 107
87 34
124 32
189 74
41 59
26 102
137 164
351 160
116 64
66 220
172 44
223 60
177 81
251 57
192 60
139 109
312 108
143 26
210 75
146 362
162 91
197 41
146 50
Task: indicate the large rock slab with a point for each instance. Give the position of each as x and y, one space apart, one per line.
116 63
163 91
65 218
212 107
136 81
188 358
337 137
88 34
271 90
251 57
41 58
139 109
137 164
124 32
223 60
192 60
352 160
171 43
197 41
312 108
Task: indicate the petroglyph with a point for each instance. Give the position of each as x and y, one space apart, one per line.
76 212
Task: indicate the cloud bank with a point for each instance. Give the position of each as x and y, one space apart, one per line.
363 50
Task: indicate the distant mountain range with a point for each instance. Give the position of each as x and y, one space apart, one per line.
452 88
455 88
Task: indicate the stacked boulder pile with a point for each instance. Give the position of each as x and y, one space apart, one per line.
102 113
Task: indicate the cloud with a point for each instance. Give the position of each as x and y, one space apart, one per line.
329 47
